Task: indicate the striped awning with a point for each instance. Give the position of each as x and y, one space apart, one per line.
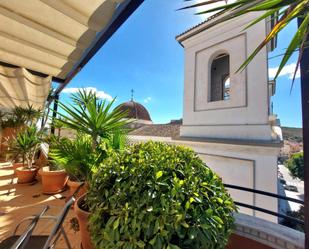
18 87
49 38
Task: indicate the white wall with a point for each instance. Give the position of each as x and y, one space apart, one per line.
234 171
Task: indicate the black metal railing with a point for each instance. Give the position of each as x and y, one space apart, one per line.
263 210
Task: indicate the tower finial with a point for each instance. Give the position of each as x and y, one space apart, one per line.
132 94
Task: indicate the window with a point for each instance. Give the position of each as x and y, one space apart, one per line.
220 78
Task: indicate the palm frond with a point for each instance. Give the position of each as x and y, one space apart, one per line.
92 116
287 10
296 42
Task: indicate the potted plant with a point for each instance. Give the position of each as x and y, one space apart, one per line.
26 143
102 127
90 115
14 121
96 125
11 123
154 195
77 158
54 178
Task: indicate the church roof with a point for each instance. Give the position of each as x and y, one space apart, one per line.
135 110
158 130
213 20
197 27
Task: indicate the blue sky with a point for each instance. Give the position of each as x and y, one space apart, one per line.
143 55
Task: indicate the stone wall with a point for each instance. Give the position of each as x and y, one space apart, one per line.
254 233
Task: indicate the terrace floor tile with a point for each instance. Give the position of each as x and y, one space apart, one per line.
20 201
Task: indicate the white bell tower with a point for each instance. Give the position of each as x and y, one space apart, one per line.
227 117
218 102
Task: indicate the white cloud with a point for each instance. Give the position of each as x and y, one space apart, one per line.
147 100
287 70
100 94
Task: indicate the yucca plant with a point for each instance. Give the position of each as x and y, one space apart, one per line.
20 116
26 144
30 114
285 11
2 115
76 156
58 125
90 115
12 118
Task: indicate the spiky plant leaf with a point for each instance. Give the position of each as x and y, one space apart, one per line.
92 116
289 10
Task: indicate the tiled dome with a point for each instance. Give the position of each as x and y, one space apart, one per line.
135 110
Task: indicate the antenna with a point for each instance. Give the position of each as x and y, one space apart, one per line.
132 94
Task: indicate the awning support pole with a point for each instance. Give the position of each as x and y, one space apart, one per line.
55 109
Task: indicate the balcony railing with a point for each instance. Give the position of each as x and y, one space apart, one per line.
263 210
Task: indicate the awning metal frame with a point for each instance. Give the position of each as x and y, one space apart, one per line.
122 13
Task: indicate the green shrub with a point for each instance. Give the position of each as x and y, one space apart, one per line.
155 195
296 165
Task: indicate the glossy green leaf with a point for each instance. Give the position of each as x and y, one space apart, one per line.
116 224
159 212
159 174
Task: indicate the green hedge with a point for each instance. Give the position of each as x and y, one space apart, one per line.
155 195
296 165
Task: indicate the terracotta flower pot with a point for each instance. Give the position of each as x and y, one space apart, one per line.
82 217
73 185
17 165
53 181
26 175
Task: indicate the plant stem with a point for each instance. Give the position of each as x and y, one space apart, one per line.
94 142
